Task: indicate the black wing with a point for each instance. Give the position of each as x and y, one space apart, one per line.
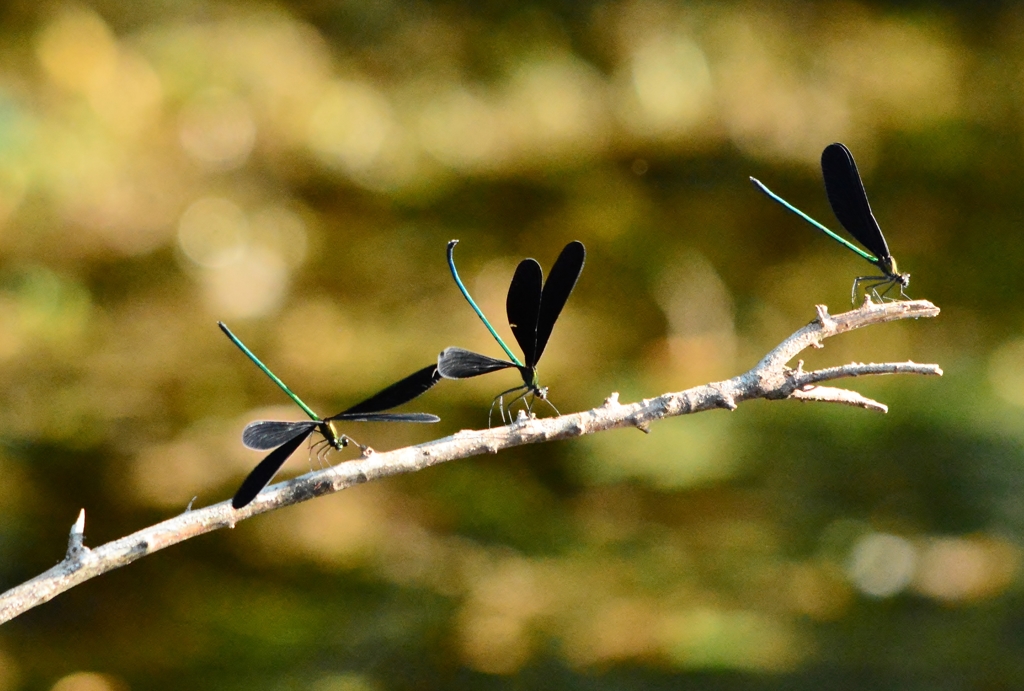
262 474
386 417
849 201
557 289
398 393
523 307
457 363
269 434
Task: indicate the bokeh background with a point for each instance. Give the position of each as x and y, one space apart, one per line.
296 169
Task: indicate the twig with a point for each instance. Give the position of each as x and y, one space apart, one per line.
771 378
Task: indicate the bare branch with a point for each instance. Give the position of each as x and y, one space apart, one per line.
771 378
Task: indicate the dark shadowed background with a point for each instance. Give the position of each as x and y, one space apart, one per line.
296 169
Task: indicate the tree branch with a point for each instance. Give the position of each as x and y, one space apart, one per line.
771 378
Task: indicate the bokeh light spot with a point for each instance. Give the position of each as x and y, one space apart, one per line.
77 49
881 565
556 109
955 569
350 125
89 681
253 285
281 230
672 82
217 129
712 638
459 129
621 629
345 682
213 232
129 99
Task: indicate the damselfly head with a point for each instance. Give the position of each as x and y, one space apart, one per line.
335 438
902 278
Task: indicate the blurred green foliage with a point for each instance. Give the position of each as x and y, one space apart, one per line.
296 170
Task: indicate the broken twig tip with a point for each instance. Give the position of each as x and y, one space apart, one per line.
76 539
